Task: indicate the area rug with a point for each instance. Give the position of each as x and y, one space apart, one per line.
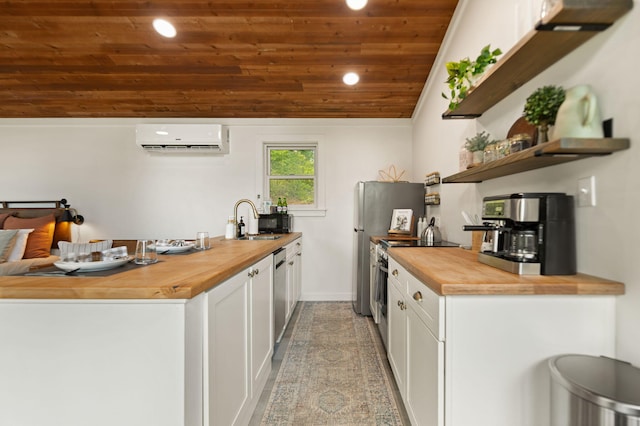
332 372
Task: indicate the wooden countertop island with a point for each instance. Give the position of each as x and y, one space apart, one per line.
178 276
185 341
455 271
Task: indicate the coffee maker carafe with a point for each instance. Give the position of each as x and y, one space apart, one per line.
530 233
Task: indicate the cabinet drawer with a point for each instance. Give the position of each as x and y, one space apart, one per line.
428 306
399 274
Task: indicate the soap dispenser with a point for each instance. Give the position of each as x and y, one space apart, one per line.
241 228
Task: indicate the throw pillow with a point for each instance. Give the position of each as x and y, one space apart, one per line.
3 216
40 240
21 243
7 241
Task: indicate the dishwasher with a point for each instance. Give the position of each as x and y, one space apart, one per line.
279 293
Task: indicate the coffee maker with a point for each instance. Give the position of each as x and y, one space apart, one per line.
529 233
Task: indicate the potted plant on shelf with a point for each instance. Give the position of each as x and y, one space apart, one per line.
476 145
541 108
464 73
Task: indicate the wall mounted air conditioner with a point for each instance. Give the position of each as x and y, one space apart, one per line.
183 138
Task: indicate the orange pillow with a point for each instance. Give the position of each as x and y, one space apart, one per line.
40 240
3 216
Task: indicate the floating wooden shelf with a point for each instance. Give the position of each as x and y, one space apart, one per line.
546 154
568 25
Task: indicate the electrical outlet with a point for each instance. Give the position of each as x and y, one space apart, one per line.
587 191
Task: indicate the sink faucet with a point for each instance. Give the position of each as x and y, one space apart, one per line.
253 207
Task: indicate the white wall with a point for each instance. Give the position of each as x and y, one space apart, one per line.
607 234
125 193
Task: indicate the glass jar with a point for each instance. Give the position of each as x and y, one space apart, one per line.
519 142
490 152
502 148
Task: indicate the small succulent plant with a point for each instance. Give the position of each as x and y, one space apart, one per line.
478 142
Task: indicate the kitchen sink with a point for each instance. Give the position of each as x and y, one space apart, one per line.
261 237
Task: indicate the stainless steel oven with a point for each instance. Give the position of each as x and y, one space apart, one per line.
382 276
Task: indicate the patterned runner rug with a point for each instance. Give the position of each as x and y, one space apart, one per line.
332 372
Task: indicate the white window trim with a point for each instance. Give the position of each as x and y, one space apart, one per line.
283 140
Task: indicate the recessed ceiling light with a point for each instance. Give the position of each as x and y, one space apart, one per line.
356 4
351 78
164 28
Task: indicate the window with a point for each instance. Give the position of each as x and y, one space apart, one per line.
291 172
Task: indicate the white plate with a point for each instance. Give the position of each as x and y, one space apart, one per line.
162 249
102 265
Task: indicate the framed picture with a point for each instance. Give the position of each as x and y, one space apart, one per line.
401 221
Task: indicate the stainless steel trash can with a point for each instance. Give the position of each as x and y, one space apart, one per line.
594 391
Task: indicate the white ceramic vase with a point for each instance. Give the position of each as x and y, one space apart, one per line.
579 115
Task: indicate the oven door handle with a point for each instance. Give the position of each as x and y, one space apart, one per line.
381 288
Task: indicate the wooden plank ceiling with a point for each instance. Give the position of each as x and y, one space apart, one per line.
230 58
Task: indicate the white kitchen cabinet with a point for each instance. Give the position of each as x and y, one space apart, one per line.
482 359
415 354
294 275
425 372
373 274
397 329
261 331
298 269
239 344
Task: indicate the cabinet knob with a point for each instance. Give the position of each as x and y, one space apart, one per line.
257 271
298 244
251 274
395 273
417 296
399 302
298 254
291 263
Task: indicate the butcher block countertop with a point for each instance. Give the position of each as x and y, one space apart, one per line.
455 271
177 276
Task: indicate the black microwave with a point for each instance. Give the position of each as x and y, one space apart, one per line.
275 223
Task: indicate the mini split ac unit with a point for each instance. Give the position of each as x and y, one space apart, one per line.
183 138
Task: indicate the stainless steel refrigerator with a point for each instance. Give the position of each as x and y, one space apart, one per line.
374 205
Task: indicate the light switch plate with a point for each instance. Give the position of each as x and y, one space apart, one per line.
587 191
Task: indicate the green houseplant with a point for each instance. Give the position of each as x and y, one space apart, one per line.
477 144
462 74
541 108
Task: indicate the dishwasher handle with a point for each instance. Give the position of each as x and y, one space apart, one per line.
279 258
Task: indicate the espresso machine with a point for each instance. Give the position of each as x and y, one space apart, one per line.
529 233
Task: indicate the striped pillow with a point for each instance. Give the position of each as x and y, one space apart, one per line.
7 241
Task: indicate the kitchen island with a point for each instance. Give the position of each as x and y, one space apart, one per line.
469 343
173 277
185 341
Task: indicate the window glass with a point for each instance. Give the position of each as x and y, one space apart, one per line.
291 174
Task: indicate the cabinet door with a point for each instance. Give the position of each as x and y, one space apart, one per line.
298 271
291 277
261 290
396 315
425 373
228 352
373 274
